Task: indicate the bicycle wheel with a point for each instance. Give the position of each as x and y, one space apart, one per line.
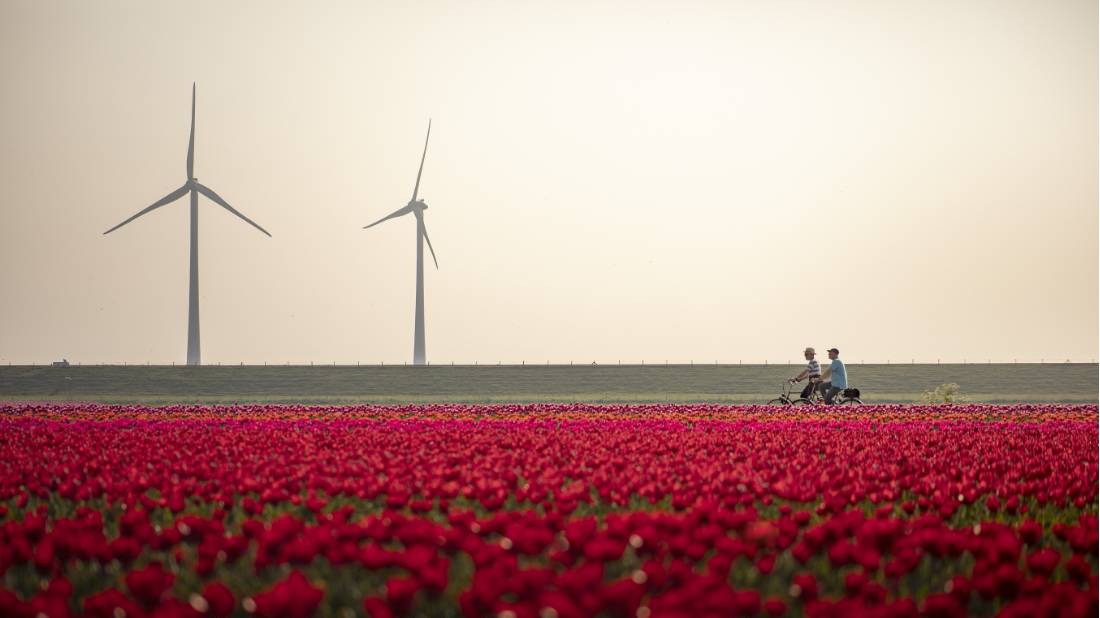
802 401
779 401
854 401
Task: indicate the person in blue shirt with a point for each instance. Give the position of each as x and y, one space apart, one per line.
835 377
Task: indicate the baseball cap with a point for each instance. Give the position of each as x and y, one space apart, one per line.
834 350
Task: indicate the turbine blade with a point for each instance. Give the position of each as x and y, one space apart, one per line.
217 199
416 188
191 142
167 199
393 215
424 231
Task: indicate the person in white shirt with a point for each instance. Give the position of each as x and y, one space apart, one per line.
812 372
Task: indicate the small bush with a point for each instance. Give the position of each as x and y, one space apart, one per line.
944 393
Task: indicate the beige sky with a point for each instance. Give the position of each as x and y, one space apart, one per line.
726 181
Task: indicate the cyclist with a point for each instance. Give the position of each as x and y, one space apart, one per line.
812 372
835 378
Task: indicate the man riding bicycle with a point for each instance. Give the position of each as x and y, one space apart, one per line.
812 372
835 378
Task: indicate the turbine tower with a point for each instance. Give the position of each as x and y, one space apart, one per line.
417 208
192 186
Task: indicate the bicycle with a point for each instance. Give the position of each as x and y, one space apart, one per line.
784 398
848 396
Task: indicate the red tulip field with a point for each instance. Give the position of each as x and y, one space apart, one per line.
548 510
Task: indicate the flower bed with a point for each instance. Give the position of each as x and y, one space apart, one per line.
547 510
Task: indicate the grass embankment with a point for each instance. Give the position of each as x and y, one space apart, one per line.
734 384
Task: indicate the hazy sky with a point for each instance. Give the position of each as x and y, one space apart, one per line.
695 180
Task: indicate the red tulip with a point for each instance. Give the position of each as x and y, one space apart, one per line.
400 592
148 585
294 597
109 603
219 599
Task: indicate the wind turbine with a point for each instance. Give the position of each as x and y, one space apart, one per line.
192 186
417 208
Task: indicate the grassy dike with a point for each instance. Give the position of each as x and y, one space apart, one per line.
734 384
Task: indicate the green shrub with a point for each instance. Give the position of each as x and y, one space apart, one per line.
944 393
